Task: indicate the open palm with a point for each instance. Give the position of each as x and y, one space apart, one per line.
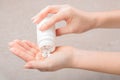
30 52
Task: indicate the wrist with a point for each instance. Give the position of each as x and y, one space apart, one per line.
100 19
76 58
94 20
80 59
91 20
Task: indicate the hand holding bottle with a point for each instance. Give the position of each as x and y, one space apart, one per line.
76 21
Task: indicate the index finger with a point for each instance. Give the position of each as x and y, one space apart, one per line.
43 13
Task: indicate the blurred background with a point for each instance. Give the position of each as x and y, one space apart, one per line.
15 23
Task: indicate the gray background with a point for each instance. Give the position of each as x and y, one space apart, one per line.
15 23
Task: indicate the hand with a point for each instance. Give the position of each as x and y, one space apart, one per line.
76 21
28 51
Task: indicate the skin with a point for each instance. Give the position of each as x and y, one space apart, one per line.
28 51
76 21
65 56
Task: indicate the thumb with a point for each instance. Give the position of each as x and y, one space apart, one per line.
33 65
52 21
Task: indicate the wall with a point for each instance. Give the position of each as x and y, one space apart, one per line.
15 23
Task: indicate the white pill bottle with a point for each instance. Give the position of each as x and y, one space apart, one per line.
46 39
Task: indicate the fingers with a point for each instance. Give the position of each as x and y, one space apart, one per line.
41 65
23 46
26 51
62 31
33 65
50 9
53 20
39 57
21 54
32 45
15 43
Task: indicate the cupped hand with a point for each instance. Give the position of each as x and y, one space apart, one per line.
29 52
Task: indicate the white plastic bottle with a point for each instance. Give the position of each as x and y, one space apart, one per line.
46 39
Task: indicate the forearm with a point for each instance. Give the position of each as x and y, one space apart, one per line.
108 62
109 19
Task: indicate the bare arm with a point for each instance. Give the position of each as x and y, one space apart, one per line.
108 62
66 57
77 21
110 19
